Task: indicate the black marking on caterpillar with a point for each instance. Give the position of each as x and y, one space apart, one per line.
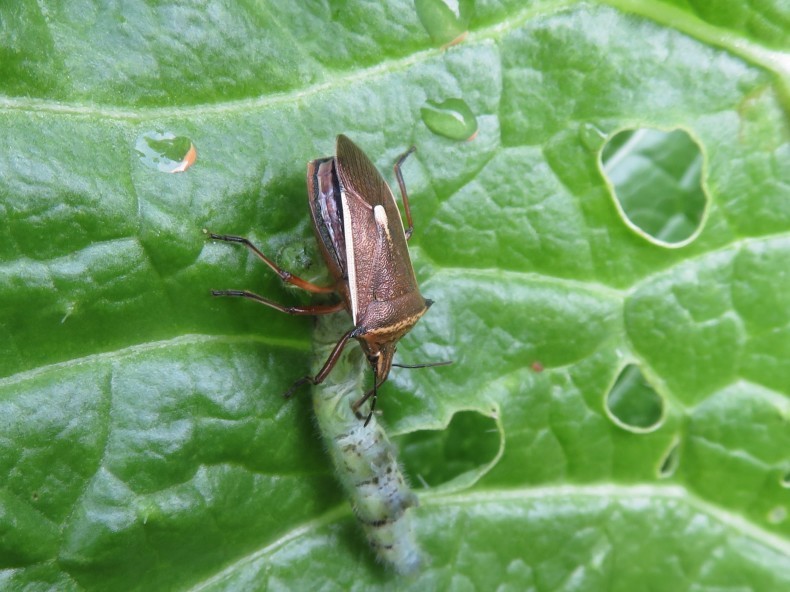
365 461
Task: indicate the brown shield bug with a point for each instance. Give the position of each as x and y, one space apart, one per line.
363 241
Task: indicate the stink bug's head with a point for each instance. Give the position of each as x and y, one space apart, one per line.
380 353
392 320
380 358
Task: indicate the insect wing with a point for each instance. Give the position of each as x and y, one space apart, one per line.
382 267
327 211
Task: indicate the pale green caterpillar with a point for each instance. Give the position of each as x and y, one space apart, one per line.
364 459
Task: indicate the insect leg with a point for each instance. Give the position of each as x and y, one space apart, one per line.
326 369
372 393
315 309
286 276
402 185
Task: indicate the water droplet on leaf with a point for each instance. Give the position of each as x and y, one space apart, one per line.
777 515
166 152
445 20
591 136
452 119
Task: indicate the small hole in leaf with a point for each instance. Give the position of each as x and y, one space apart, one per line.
434 457
657 181
670 463
785 481
632 402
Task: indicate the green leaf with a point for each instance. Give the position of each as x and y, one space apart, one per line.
144 442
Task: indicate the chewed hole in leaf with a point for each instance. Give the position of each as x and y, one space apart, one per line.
633 403
434 457
656 178
669 464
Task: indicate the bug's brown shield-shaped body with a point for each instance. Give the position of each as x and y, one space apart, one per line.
363 241
362 238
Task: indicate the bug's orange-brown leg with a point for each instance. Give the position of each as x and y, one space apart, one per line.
326 369
402 185
315 309
286 276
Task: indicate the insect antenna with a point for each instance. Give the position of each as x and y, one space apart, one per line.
426 365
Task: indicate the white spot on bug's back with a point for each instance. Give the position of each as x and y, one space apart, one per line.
380 214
